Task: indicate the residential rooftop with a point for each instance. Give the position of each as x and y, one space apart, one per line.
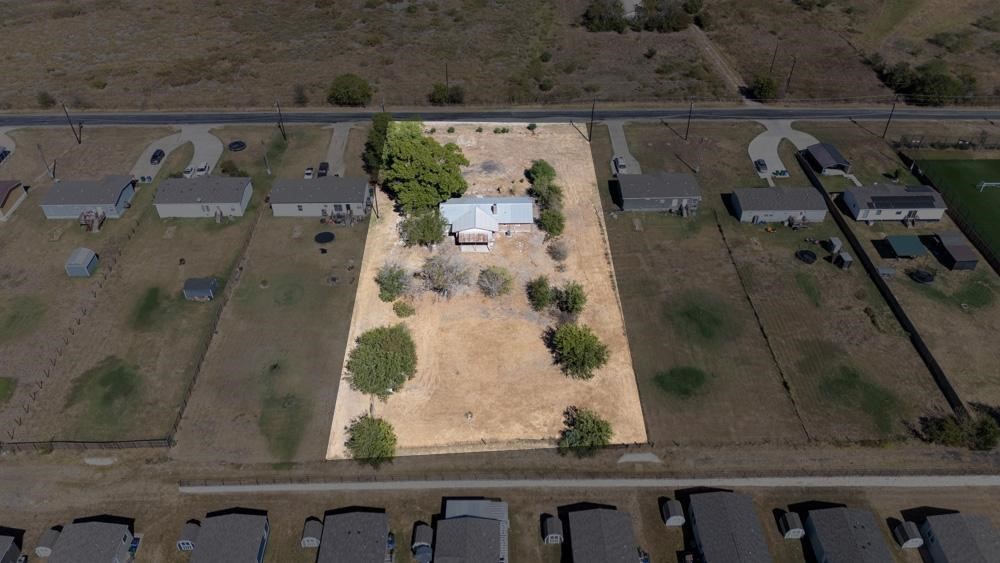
203 189
328 189
658 185
87 192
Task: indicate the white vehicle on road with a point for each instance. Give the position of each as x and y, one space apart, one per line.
203 169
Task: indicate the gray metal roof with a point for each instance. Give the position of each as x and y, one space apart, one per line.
190 532
313 528
827 155
328 189
202 189
354 537
602 535
966 537
780 199
659 185
895 196
509 210
5 543
848 535
729 529
89 542
553 525
200 284
423 534
468 539
80 257
229 537
105 191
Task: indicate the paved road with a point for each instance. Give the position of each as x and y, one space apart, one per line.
619 145
517 115
929 481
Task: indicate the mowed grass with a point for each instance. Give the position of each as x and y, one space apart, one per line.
102 401
20 318
284 413
700 316
975 292
850 388
7 386
151 308
682 382
957 180
807 283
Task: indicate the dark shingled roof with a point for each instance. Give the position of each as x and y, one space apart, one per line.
229 537
328 189
780 199
87 192
354 537
86 542
659 185
602 535
203 189
729 529
827 155
966 537
467 539
848 535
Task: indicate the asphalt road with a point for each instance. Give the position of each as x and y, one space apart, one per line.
750 112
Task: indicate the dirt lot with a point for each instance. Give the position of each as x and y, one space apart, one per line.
514 392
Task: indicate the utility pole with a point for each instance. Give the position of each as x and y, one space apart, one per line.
788 82
281 122
76 136
777 41
892 111
590 130
447 84
688 129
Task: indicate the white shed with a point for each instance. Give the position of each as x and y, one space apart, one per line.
312 533
673 513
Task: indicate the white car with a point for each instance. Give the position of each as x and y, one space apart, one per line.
203 169
309 174
189 172
618 165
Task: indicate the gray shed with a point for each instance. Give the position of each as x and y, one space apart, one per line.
673 513
200 289
791 526
312 533
843 260
908 535
81 263
189 536
46 542
552 530
423 536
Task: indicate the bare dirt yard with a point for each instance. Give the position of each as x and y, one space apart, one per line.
485 379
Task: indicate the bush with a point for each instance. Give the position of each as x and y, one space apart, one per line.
532 127
552 222
545 56
349 90
299 96
383 360
650 53
403 309
571 298
540 293
585 432
424 228
558 250
371 440
495 281
229 168
451 129
444 275
763 88
605 15
479 129
704 20
546 84
578 351
541 172
441 95
392 282
692 6
975 433
45 100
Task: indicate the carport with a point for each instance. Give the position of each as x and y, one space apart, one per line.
906 246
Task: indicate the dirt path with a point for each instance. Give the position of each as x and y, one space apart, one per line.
728 73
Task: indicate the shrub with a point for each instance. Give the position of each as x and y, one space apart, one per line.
650 53
495 281
547 194
585 432
545 56
974 433
451 129
558 250
546 84
532 127
704 20
45 100
540 293
442 94
552 222
444 275
403 309
392 282
299 96
479 129
383 360
763 88
578 351
571 298
605 15
371 440
541 172
229 168
424 228
349 90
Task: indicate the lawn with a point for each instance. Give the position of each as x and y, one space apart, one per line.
957 180
7 387
106 398
21 318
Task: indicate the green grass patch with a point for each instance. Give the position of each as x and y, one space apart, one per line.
7 386
976 292
957 180
891 13
682 382
807 283
21 318
701 317
107 395
288 293
151 308
283 415
849 387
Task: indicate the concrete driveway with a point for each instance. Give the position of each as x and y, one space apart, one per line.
765 145
335 151
207 148
619 145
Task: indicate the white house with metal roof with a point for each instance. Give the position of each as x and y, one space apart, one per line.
329 196
203 196
108 197
475 221
892 202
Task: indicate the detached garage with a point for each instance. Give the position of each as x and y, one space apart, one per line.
958 253
779 205
204 196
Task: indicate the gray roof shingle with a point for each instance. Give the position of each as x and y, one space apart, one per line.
729 529
89 542
848 535
87 192
328 189
203 189
659 185
468 539
827 155
229 537
602 535
780 199
968 538
354 537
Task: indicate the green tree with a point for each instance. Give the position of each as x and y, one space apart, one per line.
423 228
299 96
692 6
371 440
495 281
571 298
419 171
375 146
442 95
763 88
975 433
384 358
552 222
45 100
605 15
578 350
541 172
585 432
392 282
349 90
540 293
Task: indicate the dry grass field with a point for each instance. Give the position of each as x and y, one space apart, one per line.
487 357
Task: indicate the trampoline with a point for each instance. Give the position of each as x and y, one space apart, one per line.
922 276
324 237
807 256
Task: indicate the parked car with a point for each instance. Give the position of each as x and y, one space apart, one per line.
203 169
760 165
189 172
4 153
309 174
157 157
618 165
324 169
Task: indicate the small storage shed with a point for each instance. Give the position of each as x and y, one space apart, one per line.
423 536
81 263
673 513
791 526
908 535
200 289
552 530
906 246
189 536
312 533
46 542
843 260
958 253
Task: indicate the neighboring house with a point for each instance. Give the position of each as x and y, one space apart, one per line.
329 196
204 196
12 193
726 528
357 537
660 191
9 550
958 253
779 205
473 531
200 289
237 536
954 538
846 535
891 202
93 542
826 159
602 535
475 221
81 263
108 197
